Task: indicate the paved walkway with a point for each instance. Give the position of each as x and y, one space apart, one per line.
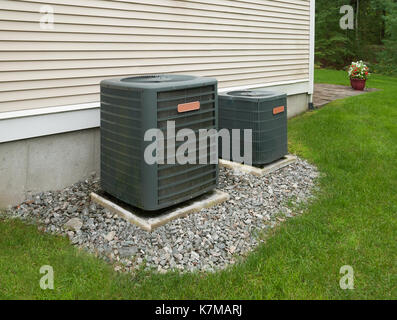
326 93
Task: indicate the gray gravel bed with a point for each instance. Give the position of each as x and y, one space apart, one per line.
207 241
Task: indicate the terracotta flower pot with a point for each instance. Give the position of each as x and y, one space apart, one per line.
358 84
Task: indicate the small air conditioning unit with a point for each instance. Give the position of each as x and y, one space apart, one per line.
265 113
132 106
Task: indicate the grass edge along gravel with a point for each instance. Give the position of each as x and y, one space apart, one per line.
353 222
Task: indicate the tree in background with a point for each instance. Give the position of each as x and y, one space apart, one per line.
333 45
373 39
388 57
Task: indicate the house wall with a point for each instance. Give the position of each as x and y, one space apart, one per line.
241 43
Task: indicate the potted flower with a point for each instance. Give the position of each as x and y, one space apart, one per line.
358 73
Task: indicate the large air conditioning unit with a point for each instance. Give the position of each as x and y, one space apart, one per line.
263 112
132 106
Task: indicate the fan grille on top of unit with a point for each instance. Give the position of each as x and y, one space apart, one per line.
158 78
249 93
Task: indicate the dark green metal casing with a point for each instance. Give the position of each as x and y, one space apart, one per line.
130 107
265 113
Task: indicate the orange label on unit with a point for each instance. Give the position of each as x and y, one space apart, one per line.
278 110
191 106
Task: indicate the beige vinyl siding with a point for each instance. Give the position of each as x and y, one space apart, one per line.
239 42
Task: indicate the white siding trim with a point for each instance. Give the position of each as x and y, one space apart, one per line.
26 124
312 43
38 125
46 111
297 87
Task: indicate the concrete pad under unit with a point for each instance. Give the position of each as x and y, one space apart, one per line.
150 222
259 172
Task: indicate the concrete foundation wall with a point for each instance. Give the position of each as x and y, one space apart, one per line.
46 163
57 161
297 104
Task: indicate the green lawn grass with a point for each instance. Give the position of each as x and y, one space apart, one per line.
352 222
